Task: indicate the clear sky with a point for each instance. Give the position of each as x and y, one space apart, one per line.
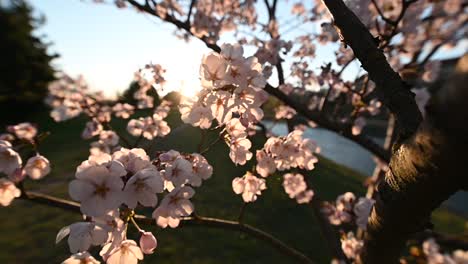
107 45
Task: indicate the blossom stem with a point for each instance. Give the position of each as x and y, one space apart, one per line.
132 219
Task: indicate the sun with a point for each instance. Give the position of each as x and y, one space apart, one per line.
189 88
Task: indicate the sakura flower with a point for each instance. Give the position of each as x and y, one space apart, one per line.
81 258
84 234
23 130
123 110
142 188
196 115
232 53
133 160
37 167
351 246
128 252
92 129
148 242
98 187
178 172
163 219
250 187
294 184
212 70
10 160
240 153
265 164
8 192
362 210
304 196
201 170
176 204
109 138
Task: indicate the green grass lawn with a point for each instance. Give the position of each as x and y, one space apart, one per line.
28 230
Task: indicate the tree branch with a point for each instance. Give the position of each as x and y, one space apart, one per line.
71 206
390 88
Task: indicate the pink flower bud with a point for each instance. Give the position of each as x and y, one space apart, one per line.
147 242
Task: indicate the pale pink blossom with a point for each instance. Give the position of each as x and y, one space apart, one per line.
351 246
92 128
304 196
123 110
10 160
294 184
37 167
201 169
128 252
82 235
142 188
239 150
81 258
133 160
109 138
178 172
175 205
249 186
8 192
265 164
98 187
23 131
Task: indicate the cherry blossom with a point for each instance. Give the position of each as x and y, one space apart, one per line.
351 246
175 205
84 234
37 167
8 192
128 252
10 160
123 110
249 186
133 160
294 184
23 131
81 258
142 188
98 187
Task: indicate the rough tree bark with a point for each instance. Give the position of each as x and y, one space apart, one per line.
428 160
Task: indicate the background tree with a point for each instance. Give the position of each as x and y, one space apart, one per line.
26 69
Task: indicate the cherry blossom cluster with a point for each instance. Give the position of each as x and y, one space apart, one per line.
348 209
296 188
20 138
111 187
351 246
249 186
433 255
151 126
148 78
212 18
232 86
284 153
